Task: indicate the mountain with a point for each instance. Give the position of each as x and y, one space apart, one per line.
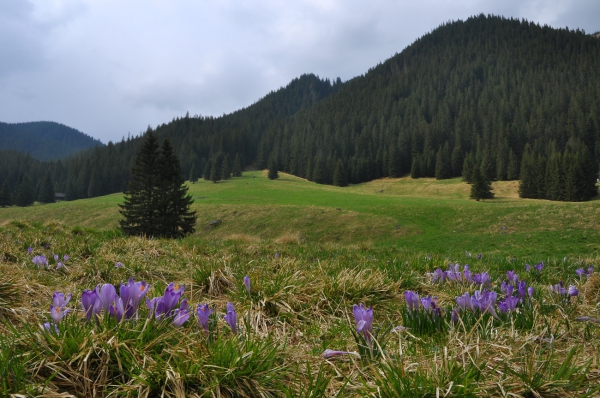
44 140
511 97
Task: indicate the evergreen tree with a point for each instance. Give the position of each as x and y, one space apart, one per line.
468 168
24 194
215 168
340 175
156 204
206 171
512 172
394 160
174 218
5 195
193 177
318 174
443 166
46 193
273 173
141 202
225 169
237 166
481 188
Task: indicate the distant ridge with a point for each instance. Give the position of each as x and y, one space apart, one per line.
44 140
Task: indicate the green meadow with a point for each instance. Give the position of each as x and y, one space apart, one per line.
421 215
311 252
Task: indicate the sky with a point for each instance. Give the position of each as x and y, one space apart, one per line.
110 68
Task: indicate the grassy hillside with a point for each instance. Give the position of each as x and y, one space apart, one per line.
423 215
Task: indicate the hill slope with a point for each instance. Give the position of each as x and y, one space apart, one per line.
493 91
44 140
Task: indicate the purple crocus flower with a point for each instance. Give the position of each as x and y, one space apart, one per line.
580 272
231 318
364 320
455 316
277 255
412 300
182 314
108 294
40 261
512 277
522 289
464 301
479 256
152 306
59 299
508 305
57 313
118 309
438 276
247 283
426 302
482 279
527 268
334 353
56 257
30 250
48 327
204 312
66 257
559 288
119 265
539 267
530 291
59 265
573 291
91 302
467 274
171 297
506 288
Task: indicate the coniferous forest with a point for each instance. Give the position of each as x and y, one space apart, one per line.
508 97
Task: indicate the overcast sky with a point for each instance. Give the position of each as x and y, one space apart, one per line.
113 67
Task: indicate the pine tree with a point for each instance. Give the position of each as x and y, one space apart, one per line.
215 168
273 173
512 172
24 194
193 177
481 188
340 175
237 166
225 169
141 202
157 204
5 195
175 219
206 171
46 194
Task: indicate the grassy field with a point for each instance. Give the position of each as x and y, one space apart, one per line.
423 215
311 254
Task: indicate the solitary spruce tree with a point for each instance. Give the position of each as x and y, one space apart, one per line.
273 174
481 187
156 204
5 195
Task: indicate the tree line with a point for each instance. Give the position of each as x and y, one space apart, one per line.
491 93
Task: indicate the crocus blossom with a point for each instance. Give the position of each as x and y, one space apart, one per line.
364 320
334 353
91 302
231 318
247 283
40 261
203 311
412 300
181 314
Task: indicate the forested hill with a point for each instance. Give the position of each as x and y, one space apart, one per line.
44 140
487 92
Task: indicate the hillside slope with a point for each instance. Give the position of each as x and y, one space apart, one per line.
44 140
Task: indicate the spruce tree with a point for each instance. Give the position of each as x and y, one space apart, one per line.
237 166
157 204
5 195
512 172
141 202
481 188
206 171
226 168
193 177
46 194
340 175
175 219
273 173
24 194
